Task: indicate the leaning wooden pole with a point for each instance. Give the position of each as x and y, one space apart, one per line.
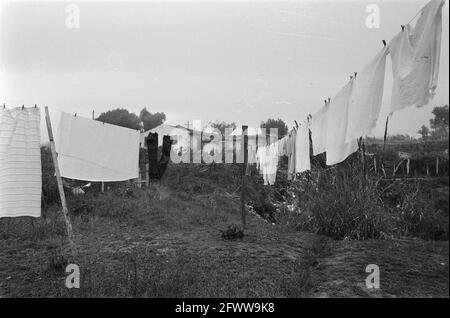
244 148
385 133
65 211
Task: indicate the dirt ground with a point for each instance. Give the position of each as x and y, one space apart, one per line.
171 246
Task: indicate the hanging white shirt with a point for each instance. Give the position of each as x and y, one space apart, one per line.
415 54
336 147
302 155
267 162
20 162
319 130
366 97
92 151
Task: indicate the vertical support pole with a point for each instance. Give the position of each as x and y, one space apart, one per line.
363 156
244 145
375 163
437 165
408 162
385 133
65 210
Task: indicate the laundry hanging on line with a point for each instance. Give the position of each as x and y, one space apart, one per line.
94 151
20 162
157 168
415 53
366 97
302 149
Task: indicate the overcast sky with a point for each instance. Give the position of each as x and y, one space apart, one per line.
237 61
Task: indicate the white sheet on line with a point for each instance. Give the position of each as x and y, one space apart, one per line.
337 148
415 54
319 130
366 97
94 151
20 162
302 156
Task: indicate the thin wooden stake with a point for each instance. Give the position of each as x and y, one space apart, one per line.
65 211
385 133
437 165
244 147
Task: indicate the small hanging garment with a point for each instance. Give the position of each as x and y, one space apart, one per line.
165 155
366 97
152 149
20 162
415 54
290 150
319 130
337 148
282 146
267 162
302 147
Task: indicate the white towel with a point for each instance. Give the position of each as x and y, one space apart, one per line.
20 162
415 54
336 147
366 98
92 151
302 156
319 130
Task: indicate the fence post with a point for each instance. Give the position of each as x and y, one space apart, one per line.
244 146
437 165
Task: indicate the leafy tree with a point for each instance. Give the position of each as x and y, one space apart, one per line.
439 124
121 117
276 123
424 132
151 120
221 125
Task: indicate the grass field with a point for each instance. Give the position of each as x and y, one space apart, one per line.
166 240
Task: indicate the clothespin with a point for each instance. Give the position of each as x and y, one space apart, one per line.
23 106
75 115
351 77
329 100
296 124
356 73
384 42
4 106
35 106
403 27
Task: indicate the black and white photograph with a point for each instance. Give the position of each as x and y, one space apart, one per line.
218 156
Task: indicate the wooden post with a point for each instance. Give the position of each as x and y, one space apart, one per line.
385 133
244 148
363 156
65 211
437 165
408 162
375 163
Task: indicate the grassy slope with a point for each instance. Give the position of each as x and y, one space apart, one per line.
165 241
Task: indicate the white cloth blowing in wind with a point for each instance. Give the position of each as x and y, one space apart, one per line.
92 151
267 162
415 54
366 98
20 162
319 130
302 155
336 146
